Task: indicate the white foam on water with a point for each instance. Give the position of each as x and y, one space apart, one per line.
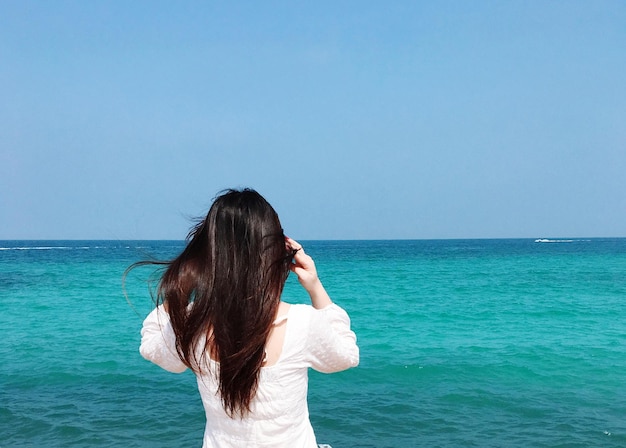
546 240
51 247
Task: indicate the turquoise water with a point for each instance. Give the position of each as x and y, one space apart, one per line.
472 343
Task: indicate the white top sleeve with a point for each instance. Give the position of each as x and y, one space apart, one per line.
158 342
330 342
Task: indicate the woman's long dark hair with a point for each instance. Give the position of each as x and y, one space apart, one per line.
223 291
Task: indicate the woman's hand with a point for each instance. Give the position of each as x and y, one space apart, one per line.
304 267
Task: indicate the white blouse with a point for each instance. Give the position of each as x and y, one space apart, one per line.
320 339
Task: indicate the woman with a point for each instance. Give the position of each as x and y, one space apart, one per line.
219 313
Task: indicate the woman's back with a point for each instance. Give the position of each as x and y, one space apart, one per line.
221 315
319 339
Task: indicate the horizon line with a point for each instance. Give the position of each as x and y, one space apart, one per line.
547 239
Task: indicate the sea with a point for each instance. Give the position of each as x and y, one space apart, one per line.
464 343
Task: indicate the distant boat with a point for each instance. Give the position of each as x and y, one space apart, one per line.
542 240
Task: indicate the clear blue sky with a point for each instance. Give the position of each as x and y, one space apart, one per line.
355 119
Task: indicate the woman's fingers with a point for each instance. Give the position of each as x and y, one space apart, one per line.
293 244
303 265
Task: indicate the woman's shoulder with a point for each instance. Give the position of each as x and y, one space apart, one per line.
302 312
298 312
325 339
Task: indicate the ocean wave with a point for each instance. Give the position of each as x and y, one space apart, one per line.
546 240
48 248
70 247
